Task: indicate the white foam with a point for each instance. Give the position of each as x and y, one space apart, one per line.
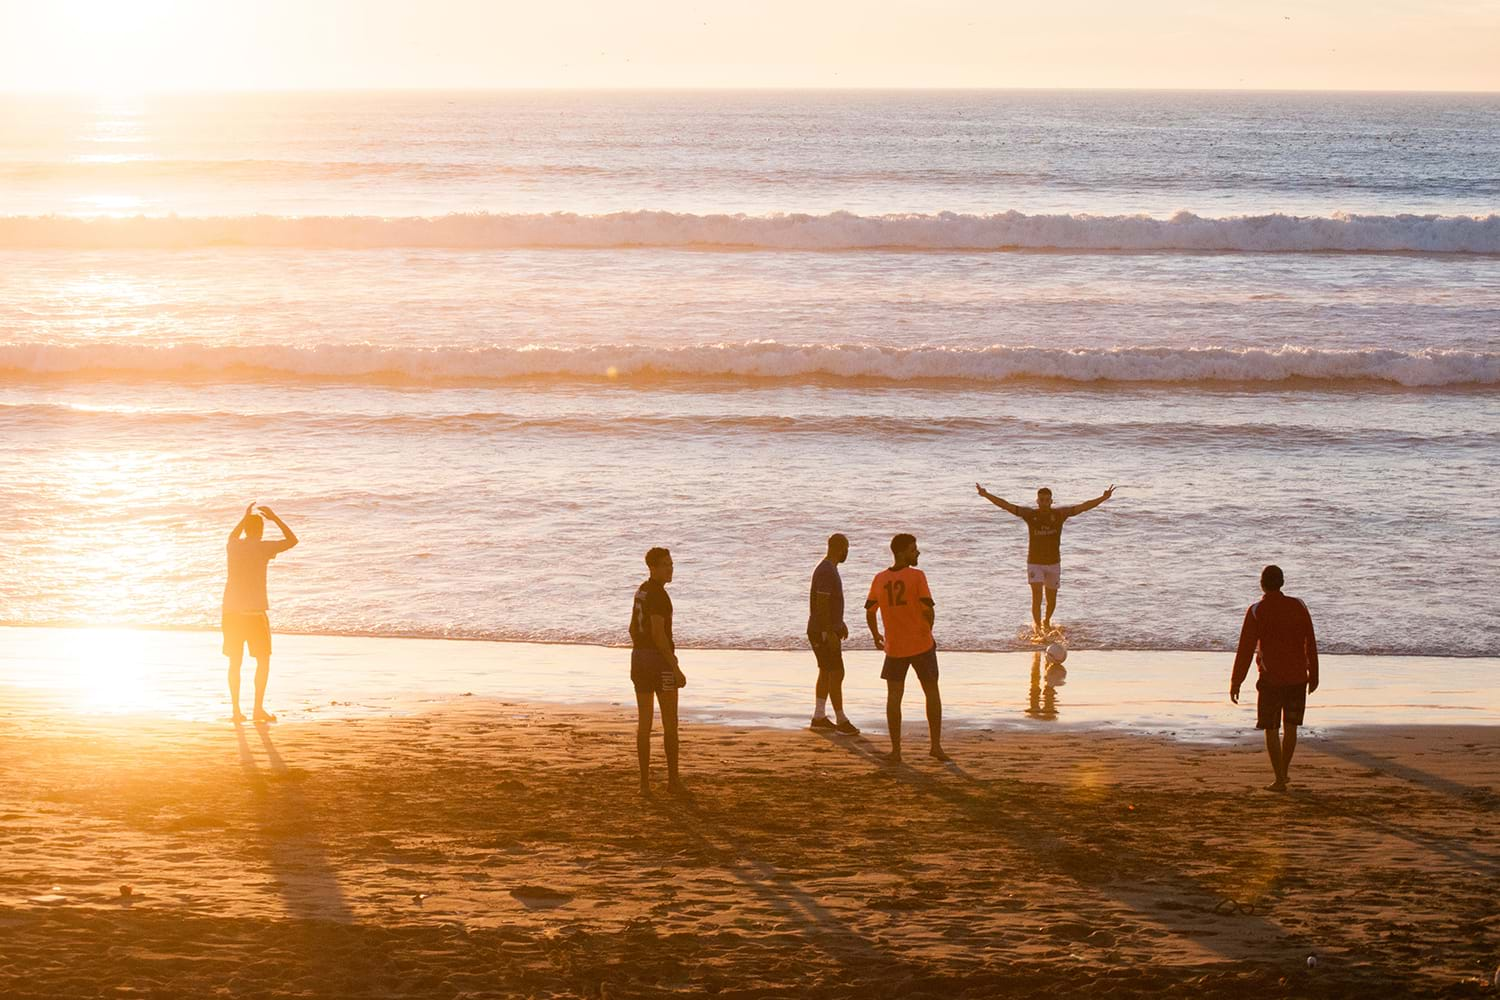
945 231
758 359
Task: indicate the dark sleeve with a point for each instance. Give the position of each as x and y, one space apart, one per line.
1245 652
1311 646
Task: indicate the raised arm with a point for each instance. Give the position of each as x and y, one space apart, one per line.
1079 508
287 534
239 529
1004 505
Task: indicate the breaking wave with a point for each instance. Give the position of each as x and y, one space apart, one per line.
945 231
753 360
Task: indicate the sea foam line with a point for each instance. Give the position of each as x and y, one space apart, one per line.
946 231
754 360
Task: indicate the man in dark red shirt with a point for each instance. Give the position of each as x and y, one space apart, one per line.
1278 634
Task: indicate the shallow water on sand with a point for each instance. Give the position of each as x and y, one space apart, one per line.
47 672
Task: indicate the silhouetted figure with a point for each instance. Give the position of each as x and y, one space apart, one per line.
653 667
245 620
906 607
826 633
1044 545
1278 633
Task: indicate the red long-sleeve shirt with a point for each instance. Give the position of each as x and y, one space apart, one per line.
1278 634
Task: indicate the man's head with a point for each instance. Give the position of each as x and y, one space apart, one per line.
255 526
838 548
1271 579
904 548
659 561
1043 498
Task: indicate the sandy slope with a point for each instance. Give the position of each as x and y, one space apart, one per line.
288 862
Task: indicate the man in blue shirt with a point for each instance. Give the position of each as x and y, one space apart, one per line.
826 633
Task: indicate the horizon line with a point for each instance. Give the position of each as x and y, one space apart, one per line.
728 89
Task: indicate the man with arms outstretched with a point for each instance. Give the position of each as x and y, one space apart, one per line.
653 667
1278 634
245 620
905 604
826 633
1044 546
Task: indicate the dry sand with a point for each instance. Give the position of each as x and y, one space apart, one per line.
490 849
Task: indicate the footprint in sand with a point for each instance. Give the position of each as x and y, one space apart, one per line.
536 897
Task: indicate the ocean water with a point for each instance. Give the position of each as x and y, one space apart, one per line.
481 351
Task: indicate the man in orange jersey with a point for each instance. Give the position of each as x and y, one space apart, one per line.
905 604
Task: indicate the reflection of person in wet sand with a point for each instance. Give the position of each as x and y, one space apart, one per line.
905 604
245 605
653 667
1043 700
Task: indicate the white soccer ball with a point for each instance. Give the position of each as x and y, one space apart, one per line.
1057 653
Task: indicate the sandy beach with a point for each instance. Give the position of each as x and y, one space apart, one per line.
491 849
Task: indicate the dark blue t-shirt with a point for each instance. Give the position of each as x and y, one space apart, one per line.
826 579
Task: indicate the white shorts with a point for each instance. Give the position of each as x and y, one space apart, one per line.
1047 574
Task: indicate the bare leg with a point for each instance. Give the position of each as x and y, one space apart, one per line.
262 674
1273 750
821 688
235 659
893 693
1051 605
1036 605
1288 747
835 684
934 718
668 700
644 712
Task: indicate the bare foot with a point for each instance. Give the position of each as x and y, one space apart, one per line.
238 717
675 787
645 789
262 716
894 757
1276 786
937 753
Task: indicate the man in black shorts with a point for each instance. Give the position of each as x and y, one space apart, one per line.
826 633
1044 546
653 667
902 599
1278 634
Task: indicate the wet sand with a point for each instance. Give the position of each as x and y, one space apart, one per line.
491 849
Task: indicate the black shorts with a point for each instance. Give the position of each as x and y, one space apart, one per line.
651 673
247 628
1273 702
925 664
830 656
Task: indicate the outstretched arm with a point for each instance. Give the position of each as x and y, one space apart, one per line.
239 529
1079 508
1004 505
286 533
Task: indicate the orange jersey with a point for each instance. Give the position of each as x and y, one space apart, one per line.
902 596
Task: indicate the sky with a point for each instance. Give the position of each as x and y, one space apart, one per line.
196 45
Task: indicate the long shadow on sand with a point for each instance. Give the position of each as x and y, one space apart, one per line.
1034 831
299 863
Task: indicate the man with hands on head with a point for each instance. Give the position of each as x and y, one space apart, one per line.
244 617
1044 545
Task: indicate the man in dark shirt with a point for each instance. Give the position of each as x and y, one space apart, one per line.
1278 634
1044 546
653 667
826 633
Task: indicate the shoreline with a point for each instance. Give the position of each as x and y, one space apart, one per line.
488 850
181 675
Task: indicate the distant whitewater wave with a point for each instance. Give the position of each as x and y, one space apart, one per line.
755 360
945 231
